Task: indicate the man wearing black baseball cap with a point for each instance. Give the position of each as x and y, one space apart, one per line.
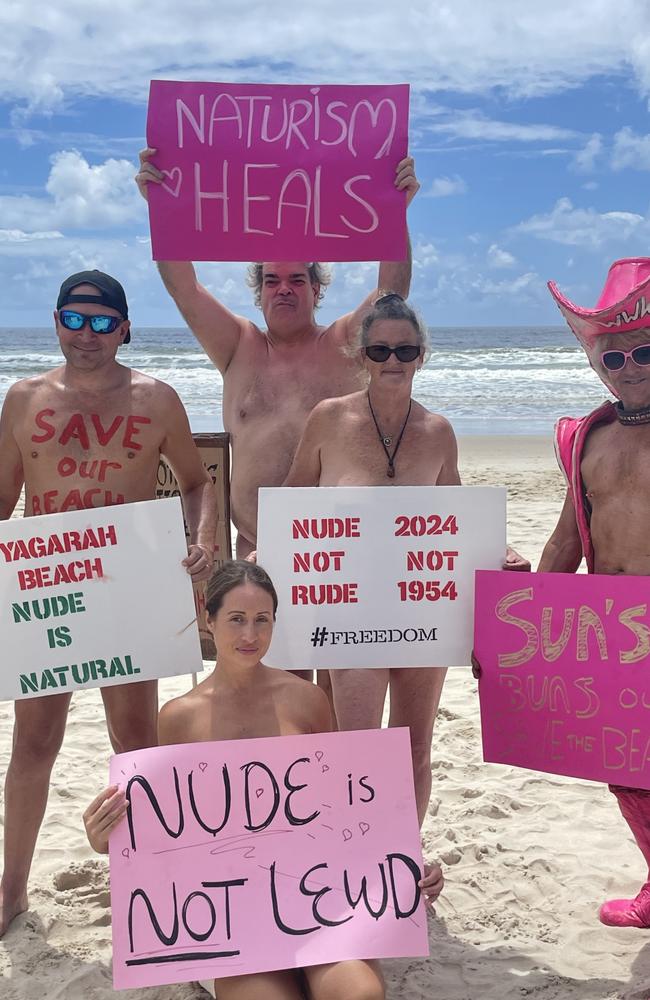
109 293
88 434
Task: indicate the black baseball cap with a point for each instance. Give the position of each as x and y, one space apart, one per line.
111 293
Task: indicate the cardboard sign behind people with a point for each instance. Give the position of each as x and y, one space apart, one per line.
71 586
565 683
254 855
379 576
277 172
214 449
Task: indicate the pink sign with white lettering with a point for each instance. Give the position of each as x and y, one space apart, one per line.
277 172
254 855
565 682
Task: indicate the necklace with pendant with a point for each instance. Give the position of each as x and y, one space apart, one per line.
386 439
632 418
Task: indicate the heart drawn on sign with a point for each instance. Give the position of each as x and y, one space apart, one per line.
125 852
258 792
202 766
364 827
347 834
318 755
176 178
325 768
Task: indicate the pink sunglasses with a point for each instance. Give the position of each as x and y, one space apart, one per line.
613 361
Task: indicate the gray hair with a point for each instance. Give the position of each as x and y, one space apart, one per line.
388 306
319 274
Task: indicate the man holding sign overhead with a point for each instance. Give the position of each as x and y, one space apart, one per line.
274 377
88 434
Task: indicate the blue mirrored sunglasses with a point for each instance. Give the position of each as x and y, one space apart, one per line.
98 324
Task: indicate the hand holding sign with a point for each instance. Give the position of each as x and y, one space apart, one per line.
149 172
406 180
103 815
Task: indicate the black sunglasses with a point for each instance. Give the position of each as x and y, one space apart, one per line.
389 297
381 352
98 324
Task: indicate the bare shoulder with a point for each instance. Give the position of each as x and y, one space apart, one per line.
26 387
252 338
333 330
435 423
339 406
176 716
157 394
309 699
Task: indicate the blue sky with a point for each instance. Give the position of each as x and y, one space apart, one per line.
529 125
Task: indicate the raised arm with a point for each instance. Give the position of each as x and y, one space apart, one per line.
215 327
11 463
563 551
197 490
394 275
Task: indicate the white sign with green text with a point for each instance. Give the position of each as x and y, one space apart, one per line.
95 597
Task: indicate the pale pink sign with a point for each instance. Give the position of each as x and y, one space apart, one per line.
277 172
256 855
565 683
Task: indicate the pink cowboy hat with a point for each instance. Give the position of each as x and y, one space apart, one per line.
624 303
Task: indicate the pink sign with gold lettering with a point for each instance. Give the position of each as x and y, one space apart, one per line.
277 172
565 682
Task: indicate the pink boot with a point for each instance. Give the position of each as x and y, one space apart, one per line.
627 912
634 804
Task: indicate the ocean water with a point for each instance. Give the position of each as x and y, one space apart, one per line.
485 380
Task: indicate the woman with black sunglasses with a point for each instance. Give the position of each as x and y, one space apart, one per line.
381 437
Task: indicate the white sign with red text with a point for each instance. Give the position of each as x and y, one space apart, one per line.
379 576
73 587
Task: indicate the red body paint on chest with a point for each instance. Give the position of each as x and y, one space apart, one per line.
77 428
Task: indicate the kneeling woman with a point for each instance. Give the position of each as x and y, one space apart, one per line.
243 699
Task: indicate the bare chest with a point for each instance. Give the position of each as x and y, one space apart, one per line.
285 386
617 464
243 719
77 456
356 455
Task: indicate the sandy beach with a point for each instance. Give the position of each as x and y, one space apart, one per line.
528 857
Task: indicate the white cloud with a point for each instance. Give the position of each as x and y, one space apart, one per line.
523 285
523 49
477 127
425 254
443 187
631 150
584 227
81 196
498 258
585 159
14 236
